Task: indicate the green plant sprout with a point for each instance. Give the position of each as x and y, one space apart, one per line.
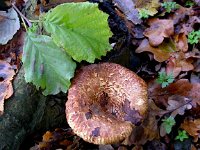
164 79
143 13
169 6
193 37
182 135
168 123
189 3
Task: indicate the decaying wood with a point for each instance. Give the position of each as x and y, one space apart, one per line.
26 112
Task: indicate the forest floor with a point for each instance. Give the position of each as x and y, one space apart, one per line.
161 44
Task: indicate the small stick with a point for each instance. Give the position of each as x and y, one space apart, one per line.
24 23
27 21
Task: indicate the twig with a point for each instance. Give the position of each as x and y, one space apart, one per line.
24 23
22 16
34 21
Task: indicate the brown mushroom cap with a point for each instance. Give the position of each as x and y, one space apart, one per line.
105 101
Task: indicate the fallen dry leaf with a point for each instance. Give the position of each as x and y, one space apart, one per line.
181 42
197 66
55 139
144 133
12 51
179 62
193 147
150 5
9 25
47 5
148 130
178 105
195 78
195 94
6 89
158 30
128 8
180 14
192 127
182 88
161 53
189 25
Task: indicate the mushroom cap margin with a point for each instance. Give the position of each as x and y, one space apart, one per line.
96 125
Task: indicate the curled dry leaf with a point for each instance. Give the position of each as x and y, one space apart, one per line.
148 130
178 104
9 25
192 127
158 30
181 42
6 89
149 5
128 8
161 53
179 62
46 5
55 139
195 94
182 88
195 78
180 14
188 26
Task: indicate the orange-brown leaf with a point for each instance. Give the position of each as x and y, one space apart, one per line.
179 62
181 42
148 130
161 53
47 136
192 127
6 89
158 30
182 88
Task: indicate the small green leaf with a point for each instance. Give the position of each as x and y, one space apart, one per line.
165 79
182 135
81 29
143 13
168 123
194 37
169 6
164 84
46 65
189 3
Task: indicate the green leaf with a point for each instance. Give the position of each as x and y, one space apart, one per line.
164 84
169 6
46 65
194 37
143 13
164 79
80 28
182 135
189 3
168 123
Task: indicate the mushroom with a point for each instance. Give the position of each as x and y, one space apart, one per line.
105 102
